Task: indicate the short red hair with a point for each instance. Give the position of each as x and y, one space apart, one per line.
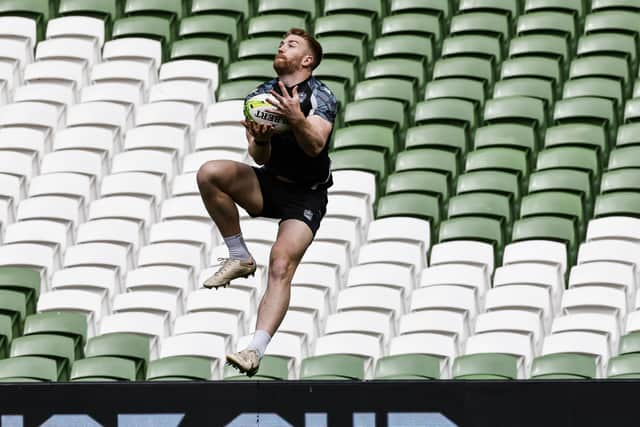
314 45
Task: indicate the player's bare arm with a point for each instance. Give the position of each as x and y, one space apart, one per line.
260 151
312 133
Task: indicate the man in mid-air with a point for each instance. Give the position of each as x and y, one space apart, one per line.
290 185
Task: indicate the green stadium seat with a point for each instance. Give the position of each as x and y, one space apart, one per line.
23 280
408 367
547 228
124 345
574 7
413 23
409 69
540 45
535 67
14 305
372 137
40 10
614 4
490 205
419 182
363 160
107 10
357 26
632 111
304 8
486 23
271 368
578 158
372 8
428 159
56 347
499 159
437 136
601 66
6 334
389 88
620 203
621 180
628 134
341 47
624 366
612 21
557 23
509 7
629 343
481 229
333 366
274 24
487 47
485 366
104 368
341 93
579 135
153 27
202 48
566 180
564 366
182 368
237 89
258 48
27 368
442 8
613 44
404 46
173 9
489 181
69 324
251 69
587 109
217 26
516 109
416 205
554 203
385 112
509 135
465 67
337 70
446 111
601 87
526 86
462 88
240 9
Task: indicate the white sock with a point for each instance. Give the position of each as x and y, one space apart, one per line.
260 341
237 247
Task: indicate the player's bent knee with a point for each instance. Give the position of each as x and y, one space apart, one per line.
208 174
280 266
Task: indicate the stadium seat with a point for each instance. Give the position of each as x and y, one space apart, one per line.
404 46
408 367
490 366
488 205
512 320
580 158
533 67
484 46
30 368
472 252
416 205
445 297
57 347
467 67
376 111
587 343
508 135
547 228
128 346
435 320
620 180
624 157
536 273
439 346
389 88
574 7
239 9
476 228
419 181
305 8
412 23
530 298
73 325
624 366
547 23
13 304
601 66
274 24
526 86
498 159
103 368
366 136
217 26
549 45
489 181
482 23
554 203
619 203
463 88
333 366
124 93
96 279
564 366
180 368
201 48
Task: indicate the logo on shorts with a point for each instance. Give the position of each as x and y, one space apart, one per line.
308 214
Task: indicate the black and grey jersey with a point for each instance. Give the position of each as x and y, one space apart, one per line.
287 158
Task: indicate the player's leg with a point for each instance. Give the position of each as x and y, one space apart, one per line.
294 236
222 184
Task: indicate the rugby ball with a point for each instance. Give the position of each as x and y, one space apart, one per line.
256 109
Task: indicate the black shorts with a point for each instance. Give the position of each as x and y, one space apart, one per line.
284 200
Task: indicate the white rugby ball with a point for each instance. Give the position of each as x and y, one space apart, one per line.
256 109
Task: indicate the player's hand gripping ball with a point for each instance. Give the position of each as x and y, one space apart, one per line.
257 109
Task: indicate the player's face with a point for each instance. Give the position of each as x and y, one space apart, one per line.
293 54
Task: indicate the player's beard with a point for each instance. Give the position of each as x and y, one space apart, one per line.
283 66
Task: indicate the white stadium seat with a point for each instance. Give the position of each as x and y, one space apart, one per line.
317 275
513 343
39 231
184 231
76 161
589 343
453 298
94 305
69 49
18 27
82 27
614 227
604 324
229 112
400 228
139 184
210 322
226 137
161 304
39 115
190 69
66 184
191 92
61 95
471 276
25 139
165 278
465 252
521 297
171 113
158 137
134 48
177 254
55 208
209 346
97 279
99 254
111 230
434 344
123 71
362 321
18 50
612 250
20 164
122 93
57 71
354 182
542 251
519 321
100 113
91 138
123 207
383 274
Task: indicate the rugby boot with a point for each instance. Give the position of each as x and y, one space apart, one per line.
246 361
229 270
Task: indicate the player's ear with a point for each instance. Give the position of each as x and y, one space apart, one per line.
307 61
